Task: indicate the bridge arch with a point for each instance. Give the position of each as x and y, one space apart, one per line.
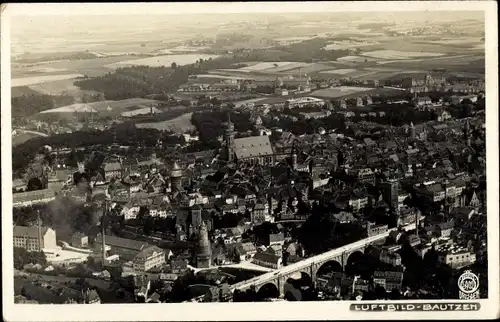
353 260
268 290
304 277
332 265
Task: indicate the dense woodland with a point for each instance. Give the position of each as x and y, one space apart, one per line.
127 135
211 125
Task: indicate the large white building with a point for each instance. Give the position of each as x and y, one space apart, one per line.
304 101
149 258
28 198
35 239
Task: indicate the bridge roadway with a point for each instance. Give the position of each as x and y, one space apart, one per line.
290 269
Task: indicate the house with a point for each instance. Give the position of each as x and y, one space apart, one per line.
373 229
267 259
259 214
169 278
304 101
343 217
358 202
315 115
281 91
456 257
294 249
389 280
79 240
391 258
246 251
160 207
126 248
431 191
276 239
422 101
142 285
443 116
277 249
178 266
445 229
148 258
130 211
112 170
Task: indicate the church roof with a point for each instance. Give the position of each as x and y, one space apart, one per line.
253 146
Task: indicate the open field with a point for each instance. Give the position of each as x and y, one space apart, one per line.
339 91
179 124
274 66
308 69
339 71
22 90
347 44
215 76
73 108
353 93
90 67
106 107
394 54
25 81
22 137
59 87
166 60
356 59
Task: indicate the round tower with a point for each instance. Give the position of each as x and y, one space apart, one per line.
176 178
203 254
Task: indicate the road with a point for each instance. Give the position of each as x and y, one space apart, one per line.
311 260
35 132
63 279
242 265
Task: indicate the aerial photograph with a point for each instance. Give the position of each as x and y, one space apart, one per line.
240 157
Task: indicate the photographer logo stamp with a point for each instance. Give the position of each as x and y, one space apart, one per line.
468 285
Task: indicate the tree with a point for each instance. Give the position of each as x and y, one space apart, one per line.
35 184
23 257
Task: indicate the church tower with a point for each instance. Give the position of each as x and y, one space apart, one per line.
203 254
176 178
412 131
229 138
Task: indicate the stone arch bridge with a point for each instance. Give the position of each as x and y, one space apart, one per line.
310 266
